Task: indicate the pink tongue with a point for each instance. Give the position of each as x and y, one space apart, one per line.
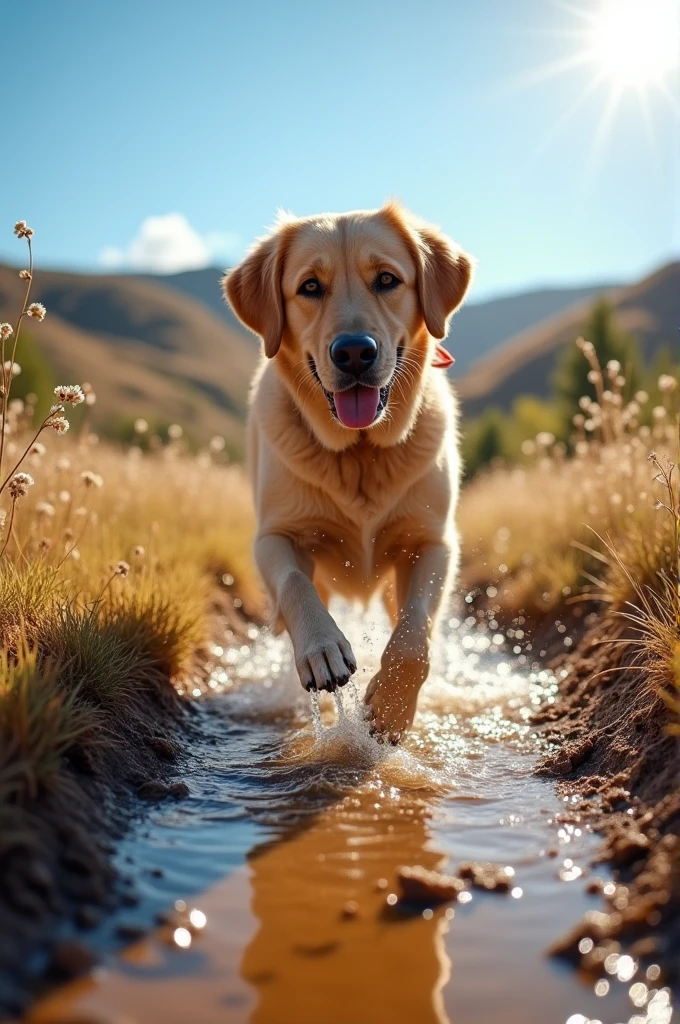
357 407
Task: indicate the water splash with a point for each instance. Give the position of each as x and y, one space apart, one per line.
316 714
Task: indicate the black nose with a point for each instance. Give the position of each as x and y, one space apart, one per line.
354 353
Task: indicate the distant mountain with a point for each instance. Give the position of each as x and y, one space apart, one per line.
524 364
168 348
146 349
204 286
476 329
480 327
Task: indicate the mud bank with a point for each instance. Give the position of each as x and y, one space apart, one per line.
56 874
620 769
57 877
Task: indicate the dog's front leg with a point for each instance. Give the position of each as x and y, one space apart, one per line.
323 656
423 581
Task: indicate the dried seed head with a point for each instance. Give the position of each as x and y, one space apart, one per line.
68 533
122 569
139 551
613 368
12 369
19 484
37 448
545 439
6 331
63 464
641 397
666 382
70 394
594 376
44 544
58 423
44 508
141 426
91 479
90 398
22 230
64 497
25 275
37 311
217 444
175 431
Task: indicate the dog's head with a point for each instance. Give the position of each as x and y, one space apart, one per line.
349 305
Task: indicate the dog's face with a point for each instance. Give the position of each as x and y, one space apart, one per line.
348 305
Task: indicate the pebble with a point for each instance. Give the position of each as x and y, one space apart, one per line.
71 958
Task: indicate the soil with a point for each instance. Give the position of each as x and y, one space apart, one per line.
620 769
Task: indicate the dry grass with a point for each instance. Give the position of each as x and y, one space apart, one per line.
600 522
109 561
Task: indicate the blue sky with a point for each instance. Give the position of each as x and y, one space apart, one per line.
220 112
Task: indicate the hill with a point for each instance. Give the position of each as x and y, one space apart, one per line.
146 349
525 363
477 328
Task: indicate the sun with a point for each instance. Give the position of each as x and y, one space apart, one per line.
635 42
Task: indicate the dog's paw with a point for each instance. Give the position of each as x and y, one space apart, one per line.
326 664
389 708
392 694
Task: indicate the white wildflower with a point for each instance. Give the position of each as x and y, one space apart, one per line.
70 394
37 311
91 479
19 484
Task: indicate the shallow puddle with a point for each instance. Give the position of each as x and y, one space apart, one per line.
290 845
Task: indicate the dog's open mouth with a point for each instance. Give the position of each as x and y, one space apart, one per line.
357 407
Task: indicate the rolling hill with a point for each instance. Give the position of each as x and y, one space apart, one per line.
168 349
477 328
146 349
649 310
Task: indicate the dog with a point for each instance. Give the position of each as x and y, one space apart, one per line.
352 437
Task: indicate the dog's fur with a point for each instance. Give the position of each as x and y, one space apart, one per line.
354 511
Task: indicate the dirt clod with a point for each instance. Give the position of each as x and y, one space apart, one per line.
418 885
164 747
87 917
153 789
129 930
71 958
485 875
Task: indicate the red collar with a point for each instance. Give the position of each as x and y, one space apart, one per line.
442 359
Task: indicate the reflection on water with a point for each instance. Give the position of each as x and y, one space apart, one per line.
323 817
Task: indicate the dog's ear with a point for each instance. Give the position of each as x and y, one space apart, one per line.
444 271
253 290
444 276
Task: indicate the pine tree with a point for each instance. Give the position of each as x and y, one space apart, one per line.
571 382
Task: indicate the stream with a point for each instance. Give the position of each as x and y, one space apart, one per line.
287 850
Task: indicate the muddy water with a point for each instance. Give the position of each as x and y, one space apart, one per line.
292 838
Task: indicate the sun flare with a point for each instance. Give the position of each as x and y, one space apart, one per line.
635 42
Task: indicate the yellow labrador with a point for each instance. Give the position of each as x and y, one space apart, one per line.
353 438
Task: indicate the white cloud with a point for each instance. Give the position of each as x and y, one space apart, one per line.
167 244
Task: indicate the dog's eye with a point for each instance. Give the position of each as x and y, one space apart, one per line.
311 288
385 281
